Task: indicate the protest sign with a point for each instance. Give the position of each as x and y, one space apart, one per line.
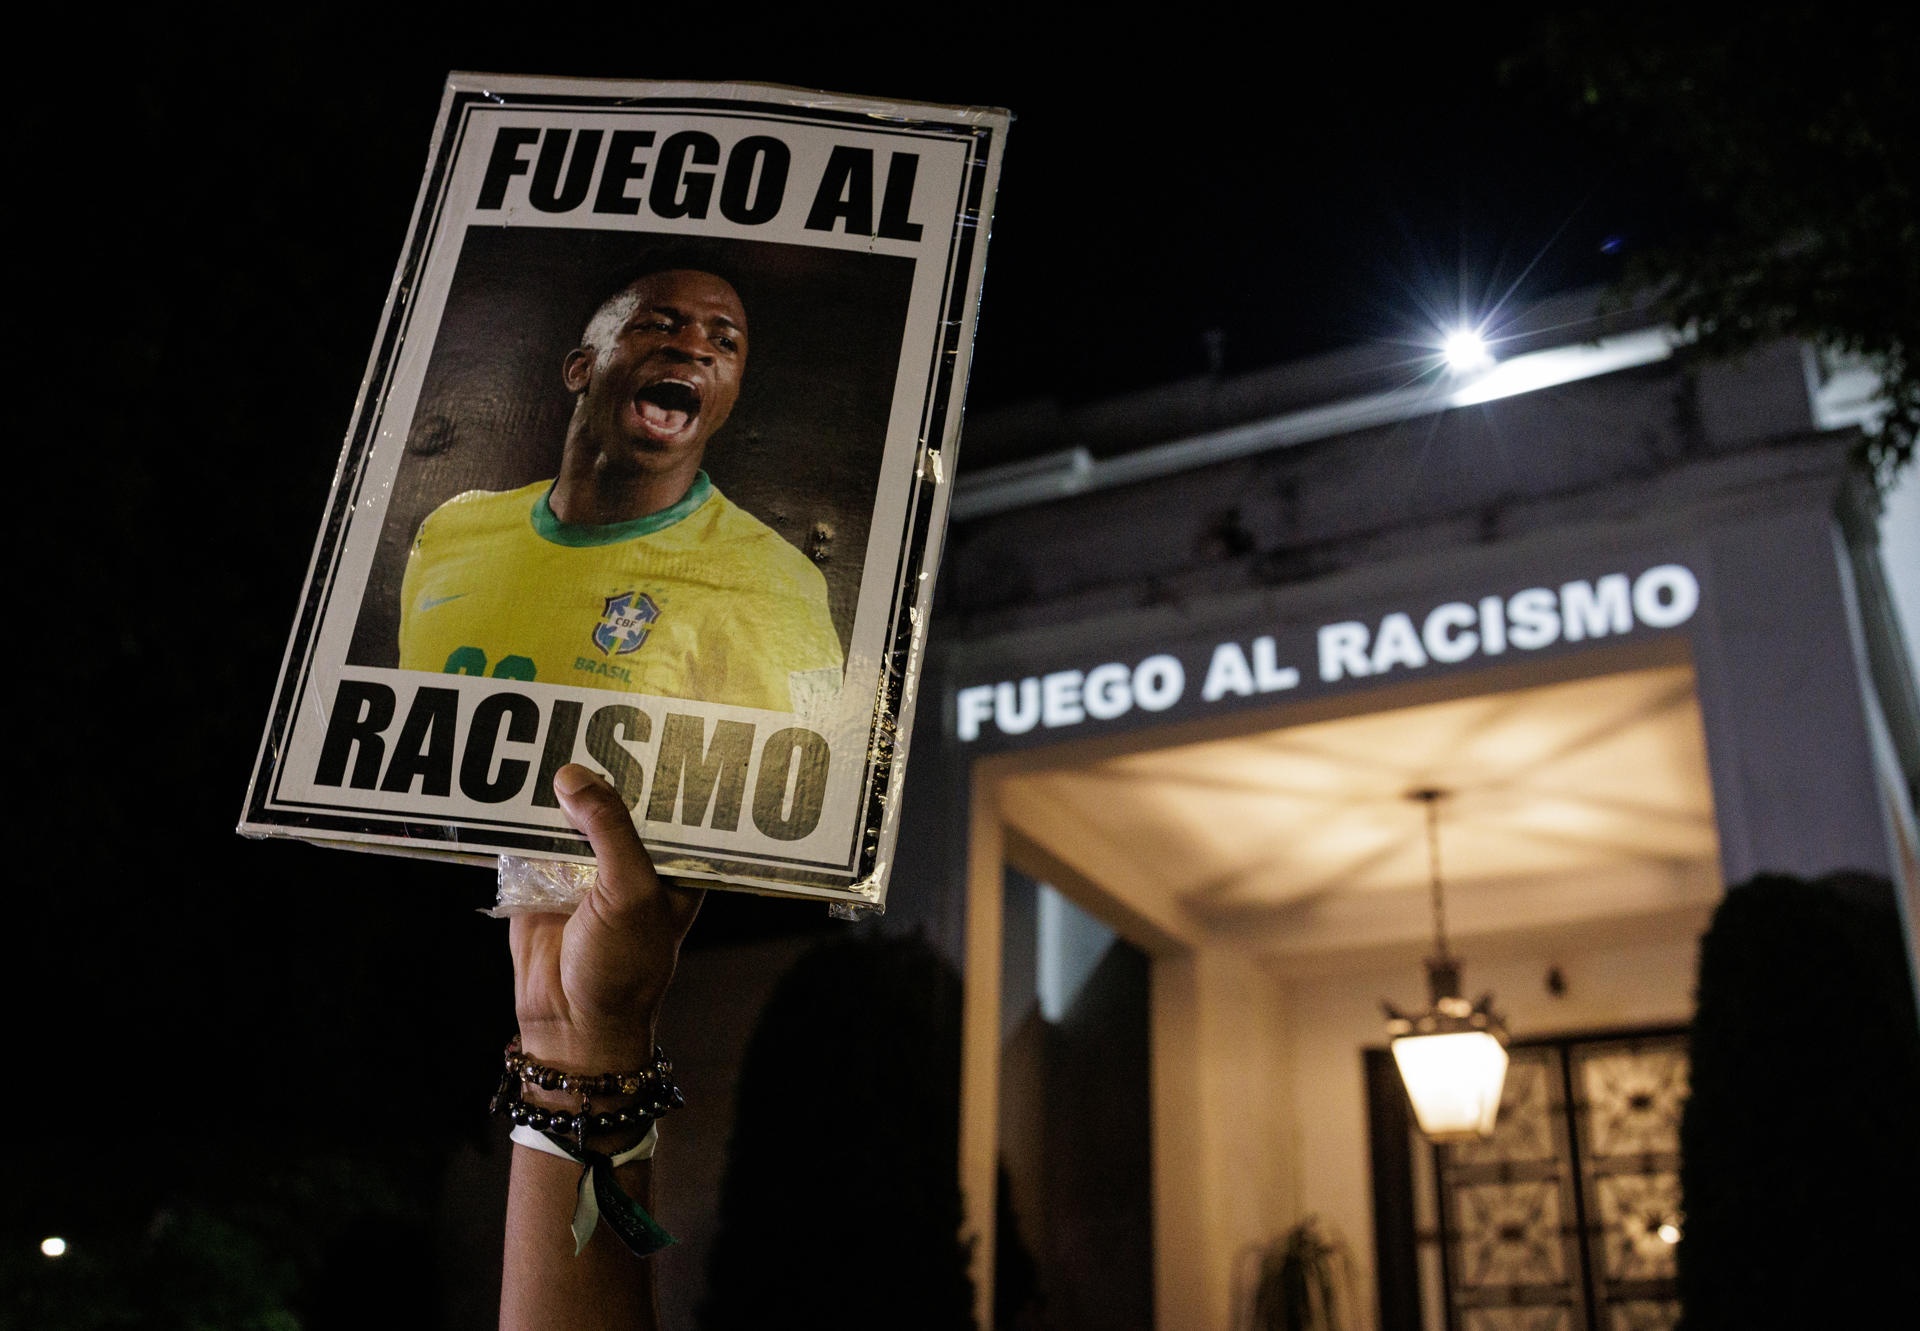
649 471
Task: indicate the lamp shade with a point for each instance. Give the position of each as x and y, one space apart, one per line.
1454 1080
1453 1056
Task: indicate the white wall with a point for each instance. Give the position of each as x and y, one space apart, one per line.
1220 1144
1900 555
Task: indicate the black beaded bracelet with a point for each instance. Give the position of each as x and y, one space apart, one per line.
562 1123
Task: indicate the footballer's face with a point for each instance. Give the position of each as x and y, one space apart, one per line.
662 364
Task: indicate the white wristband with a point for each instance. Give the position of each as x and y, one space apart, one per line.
539 1141
586 1205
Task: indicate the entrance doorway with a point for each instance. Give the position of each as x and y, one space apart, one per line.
1274 878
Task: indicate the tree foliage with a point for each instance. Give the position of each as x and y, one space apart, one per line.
1787 140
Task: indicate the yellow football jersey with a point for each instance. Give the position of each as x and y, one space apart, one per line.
701 600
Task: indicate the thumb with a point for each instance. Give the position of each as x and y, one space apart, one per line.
627 879
595 808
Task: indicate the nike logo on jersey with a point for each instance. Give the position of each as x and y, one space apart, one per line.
433 602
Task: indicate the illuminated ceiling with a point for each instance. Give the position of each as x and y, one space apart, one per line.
1577 804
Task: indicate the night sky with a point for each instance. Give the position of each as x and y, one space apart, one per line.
208 217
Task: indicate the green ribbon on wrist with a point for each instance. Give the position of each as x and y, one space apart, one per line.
599 1193
600 1197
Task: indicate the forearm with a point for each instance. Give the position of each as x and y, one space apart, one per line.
543 1284
581 1168
585 1079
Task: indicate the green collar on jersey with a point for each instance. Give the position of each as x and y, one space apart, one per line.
552 529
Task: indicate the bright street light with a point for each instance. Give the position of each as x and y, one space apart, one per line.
1466 351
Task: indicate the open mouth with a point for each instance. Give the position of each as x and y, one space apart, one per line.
667 407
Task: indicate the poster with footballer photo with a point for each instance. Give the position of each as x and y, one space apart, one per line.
649 472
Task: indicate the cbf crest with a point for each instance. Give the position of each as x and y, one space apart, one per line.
624 623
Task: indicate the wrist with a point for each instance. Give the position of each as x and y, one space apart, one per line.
554 1112
608 1110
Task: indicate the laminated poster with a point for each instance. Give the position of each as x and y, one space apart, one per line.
649 471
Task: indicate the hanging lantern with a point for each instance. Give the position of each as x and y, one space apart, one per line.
1453 1056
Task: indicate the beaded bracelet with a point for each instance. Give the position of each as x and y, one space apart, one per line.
653 1084
657 1076
562 1124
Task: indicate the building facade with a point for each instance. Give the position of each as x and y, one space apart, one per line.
1625 606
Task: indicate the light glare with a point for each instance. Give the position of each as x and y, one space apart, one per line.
1466 350
53 1246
